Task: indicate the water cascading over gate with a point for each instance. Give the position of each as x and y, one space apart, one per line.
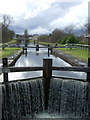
67 99
23 99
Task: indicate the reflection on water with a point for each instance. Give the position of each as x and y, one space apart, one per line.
34 58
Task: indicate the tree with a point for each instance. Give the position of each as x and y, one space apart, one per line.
7 34
84 26
69 29
26 36
64 40
56 35
10 34
6 20
43 38
72 39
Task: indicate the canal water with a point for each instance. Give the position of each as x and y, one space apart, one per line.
35 58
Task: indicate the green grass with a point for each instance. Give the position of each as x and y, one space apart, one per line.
8 51
11 42
51 44
79 53
46 44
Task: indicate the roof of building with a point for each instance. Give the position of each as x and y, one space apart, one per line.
88 36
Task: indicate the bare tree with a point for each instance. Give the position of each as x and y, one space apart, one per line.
7 34
69 29
6 20
84 26
56 35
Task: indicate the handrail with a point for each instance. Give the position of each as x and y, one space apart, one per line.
47 69
24 69
19 69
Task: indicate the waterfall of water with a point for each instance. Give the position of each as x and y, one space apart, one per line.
22 99
69 98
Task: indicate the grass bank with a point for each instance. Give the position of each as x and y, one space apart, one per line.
46 44
9 43
76 52
51 44
79 53
8 51
12 42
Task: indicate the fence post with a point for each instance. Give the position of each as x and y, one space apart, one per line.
34 42
26 48
23 50
47 74
48 49
56 45
88 73
37 47
5 64
51 50
5 77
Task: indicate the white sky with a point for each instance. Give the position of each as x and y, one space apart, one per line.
43 16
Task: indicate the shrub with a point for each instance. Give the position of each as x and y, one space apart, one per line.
72 39
64 40
60 39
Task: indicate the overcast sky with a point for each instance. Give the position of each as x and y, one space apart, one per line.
43 16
